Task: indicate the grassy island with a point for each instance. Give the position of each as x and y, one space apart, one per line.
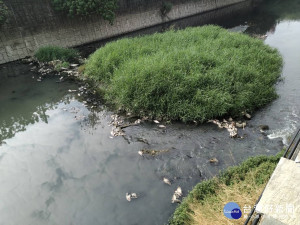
242 184
192 74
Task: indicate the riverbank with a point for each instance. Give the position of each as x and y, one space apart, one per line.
241 184
33 24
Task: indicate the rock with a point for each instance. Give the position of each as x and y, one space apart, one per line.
264 127
214 160
166 181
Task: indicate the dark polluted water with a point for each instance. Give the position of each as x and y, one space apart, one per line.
58 164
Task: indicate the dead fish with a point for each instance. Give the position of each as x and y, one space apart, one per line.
161 126
140 153
239 125
167 181
138 121
175 199
155 121
128 197
178 192
134 195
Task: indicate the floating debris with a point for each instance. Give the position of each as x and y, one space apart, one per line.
230 126
134 195
131 196
178 192
72 90
117 131
128 197
241 124
246 115
214 160
264 127
166 181
175 199
138 121
152 152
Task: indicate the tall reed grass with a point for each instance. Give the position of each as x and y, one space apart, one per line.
192 74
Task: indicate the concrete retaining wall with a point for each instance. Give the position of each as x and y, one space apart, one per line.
34 24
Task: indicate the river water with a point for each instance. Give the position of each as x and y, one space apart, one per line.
59 165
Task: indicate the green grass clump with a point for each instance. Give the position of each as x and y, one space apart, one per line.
192 74
49 53
244 179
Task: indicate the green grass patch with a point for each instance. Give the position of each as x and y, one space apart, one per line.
49 53
192 74
241 184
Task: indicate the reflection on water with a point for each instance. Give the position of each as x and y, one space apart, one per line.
23 100
59 165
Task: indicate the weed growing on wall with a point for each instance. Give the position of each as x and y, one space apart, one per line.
105 8
4 12
166 8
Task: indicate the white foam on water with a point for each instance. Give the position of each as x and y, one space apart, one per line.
291 122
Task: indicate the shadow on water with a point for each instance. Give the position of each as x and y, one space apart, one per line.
65 169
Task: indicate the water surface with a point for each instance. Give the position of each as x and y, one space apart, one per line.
59 166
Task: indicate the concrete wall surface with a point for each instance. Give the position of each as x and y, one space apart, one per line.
33 23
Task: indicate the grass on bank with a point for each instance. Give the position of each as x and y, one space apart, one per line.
242 184
192 74
49 53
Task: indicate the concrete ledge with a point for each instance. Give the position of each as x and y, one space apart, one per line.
281 198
